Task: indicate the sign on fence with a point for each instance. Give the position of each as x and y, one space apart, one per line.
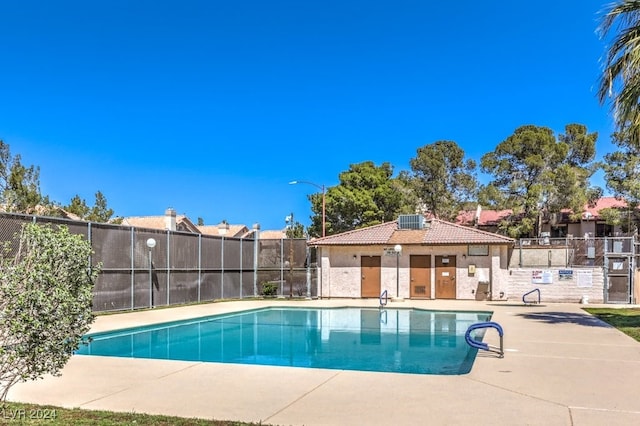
565 274
541 277
585 278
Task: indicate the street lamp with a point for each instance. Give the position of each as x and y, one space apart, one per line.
322 188
398 249
151 243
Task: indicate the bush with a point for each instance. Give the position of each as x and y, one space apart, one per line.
269 289
46 294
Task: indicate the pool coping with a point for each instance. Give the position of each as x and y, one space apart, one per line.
562 366
442 358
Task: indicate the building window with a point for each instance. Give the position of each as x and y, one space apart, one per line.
478 250
558 231
604 230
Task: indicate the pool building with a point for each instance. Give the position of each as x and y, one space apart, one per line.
415 258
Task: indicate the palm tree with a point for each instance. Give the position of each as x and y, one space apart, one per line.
620 78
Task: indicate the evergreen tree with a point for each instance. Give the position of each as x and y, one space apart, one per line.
443 180
535 174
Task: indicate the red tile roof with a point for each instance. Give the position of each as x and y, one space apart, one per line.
494 217
159 222
224 230
602 203
272 235
487 217
435 232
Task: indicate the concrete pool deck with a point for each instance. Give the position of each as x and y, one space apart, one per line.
561 367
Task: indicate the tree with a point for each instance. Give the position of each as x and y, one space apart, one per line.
572 178
366 195
443 180
620 79
78 206
535 174
626 218
98 213
19 184
622 171
46 292
295 231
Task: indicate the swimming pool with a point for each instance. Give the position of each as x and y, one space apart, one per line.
391 340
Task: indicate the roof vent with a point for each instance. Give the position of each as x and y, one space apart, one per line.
410 221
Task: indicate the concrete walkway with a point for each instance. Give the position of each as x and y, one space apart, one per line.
561 367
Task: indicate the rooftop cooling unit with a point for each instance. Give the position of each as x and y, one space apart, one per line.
410 221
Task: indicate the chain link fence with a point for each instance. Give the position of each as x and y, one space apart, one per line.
181 267
570 252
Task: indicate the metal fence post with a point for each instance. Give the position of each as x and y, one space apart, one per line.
133 268
281 266
199 266
520 252
256 244
308 270
169 242
222 268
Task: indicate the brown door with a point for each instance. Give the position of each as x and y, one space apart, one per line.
420 276
370 271
445 277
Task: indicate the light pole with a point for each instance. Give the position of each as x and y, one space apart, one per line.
398 249
322 188
151 243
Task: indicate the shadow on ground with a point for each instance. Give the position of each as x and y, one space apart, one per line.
565 318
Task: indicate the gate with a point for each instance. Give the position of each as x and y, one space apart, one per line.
618 270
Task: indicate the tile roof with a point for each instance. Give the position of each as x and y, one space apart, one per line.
591 212
159 222
152 222
487 217
272 235
224 230
436 232
493 217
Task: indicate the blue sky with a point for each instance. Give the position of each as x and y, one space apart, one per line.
211 107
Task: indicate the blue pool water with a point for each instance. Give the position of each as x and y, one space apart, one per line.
392 340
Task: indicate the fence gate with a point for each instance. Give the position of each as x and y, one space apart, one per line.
618 270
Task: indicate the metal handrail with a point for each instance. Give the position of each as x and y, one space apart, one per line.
383 316
528 293
386 298
484 346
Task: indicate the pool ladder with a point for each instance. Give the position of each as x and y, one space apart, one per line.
524 300
384 299
484 346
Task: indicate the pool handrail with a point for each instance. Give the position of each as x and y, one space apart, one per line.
528 293
386 298
383 316
482 345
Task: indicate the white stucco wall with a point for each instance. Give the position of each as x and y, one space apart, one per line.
520 282
340 274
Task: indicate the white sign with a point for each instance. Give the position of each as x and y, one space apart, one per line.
618 266
390 251
584 278
541 277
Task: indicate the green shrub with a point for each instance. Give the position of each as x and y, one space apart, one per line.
46 291
269 289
